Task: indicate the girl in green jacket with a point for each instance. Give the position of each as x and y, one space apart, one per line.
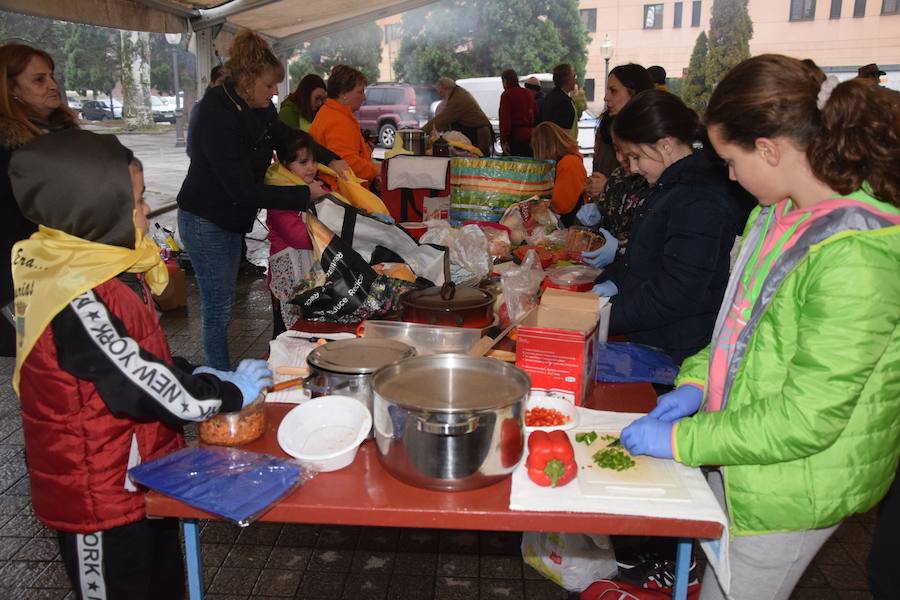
795 401
299 109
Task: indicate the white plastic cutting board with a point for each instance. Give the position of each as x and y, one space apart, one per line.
649 478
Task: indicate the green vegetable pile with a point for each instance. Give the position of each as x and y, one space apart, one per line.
613 456
586 438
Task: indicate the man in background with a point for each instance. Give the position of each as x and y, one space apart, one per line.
517 112
558 107
658 75
462 113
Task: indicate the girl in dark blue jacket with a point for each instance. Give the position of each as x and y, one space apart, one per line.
669 284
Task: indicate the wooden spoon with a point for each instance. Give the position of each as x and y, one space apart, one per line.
482 346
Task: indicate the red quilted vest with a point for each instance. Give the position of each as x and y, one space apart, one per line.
77 450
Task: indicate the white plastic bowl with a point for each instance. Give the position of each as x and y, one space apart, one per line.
550 400
324 433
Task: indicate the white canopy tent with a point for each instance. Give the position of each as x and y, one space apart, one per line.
285 23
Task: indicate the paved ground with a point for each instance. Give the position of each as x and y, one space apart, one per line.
321 562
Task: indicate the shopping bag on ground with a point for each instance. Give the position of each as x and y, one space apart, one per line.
571 560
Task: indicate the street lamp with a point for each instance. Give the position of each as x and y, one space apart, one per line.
606 51
174 39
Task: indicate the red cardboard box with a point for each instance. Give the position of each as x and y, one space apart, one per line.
557 343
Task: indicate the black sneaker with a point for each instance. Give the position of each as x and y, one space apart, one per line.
655 573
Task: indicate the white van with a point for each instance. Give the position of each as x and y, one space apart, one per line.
487 91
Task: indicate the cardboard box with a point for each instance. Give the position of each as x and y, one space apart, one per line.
175 294
557 344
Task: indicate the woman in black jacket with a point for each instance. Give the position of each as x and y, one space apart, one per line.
668 286
236 133
30 105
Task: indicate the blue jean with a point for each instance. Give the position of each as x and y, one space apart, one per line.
216 256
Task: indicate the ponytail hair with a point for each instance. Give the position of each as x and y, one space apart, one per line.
653 115
853 138
249 57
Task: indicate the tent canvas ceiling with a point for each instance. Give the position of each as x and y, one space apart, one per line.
286 23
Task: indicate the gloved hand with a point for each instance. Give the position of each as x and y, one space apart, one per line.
677 404
384 218
589 214
603 255
251 377
607 289
648 436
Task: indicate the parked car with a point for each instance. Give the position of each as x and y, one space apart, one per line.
163 112
98 110
392 106
73 102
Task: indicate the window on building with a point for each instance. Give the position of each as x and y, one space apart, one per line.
589 18
859 8
803 10
653 15
835 9
890 7
677 22
589 89
695 14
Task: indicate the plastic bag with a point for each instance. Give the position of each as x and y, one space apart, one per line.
530 220
521 285
468 250
571 560
627 362
234 484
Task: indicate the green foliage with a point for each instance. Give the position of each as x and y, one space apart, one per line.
45 34
478 38
730 30
675 85
161 66
92 58
359 47
694 87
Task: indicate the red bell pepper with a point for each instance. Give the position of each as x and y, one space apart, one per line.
551 459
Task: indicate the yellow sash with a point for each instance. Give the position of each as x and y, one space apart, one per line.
52 268
350 190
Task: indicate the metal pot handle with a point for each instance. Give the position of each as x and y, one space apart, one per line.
430 426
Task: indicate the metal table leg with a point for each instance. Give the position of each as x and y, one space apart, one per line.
682 568
192 556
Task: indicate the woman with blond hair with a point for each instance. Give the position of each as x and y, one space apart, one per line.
30 105
236 133
550 142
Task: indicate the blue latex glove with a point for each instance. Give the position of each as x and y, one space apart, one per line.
603 255
589 214
677 404
607 289
251 377
384 218
648 436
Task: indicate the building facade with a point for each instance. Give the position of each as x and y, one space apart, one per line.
839 35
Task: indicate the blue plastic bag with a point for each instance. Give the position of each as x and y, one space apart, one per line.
627 362
234 484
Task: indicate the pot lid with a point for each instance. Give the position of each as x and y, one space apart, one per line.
462 297
358 356
451 383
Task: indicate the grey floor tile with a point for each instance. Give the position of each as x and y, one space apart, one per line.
501 567
21 573
411 587
455 588
501 589
338 538
278 582
814 594
381 539
500 542
529 572
321 586
366 586
220 532
234 581
209 574
298 535
335 561
294 559
419 540
456 542
458 565
845 576
38 549
415 563
260 533
248 557
213 555
40 594
368 563
544 590
54 576
10 545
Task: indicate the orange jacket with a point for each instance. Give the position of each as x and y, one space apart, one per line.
569 183
337 129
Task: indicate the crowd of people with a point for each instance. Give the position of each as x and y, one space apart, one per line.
789 383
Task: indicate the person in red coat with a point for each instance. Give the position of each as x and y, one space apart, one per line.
99 389
517 114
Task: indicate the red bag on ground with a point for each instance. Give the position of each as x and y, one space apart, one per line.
607 589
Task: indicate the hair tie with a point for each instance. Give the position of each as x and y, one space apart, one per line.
825 90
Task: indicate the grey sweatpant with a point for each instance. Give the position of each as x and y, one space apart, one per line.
763 567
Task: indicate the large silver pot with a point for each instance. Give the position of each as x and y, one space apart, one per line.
345 367
450 421
413 140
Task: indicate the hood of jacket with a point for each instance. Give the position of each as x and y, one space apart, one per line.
77 182
14 133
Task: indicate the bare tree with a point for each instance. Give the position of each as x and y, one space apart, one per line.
136 79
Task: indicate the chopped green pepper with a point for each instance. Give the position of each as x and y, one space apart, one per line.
586 438
613 456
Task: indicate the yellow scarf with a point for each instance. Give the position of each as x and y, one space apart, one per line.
52 268
351 192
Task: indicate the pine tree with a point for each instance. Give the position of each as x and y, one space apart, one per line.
730 30
695 80
359 47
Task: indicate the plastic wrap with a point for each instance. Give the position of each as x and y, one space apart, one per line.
627 362
521 285
483 188
469 255
234 484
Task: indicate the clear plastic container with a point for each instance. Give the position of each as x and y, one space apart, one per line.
237 428
426 339
582 239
